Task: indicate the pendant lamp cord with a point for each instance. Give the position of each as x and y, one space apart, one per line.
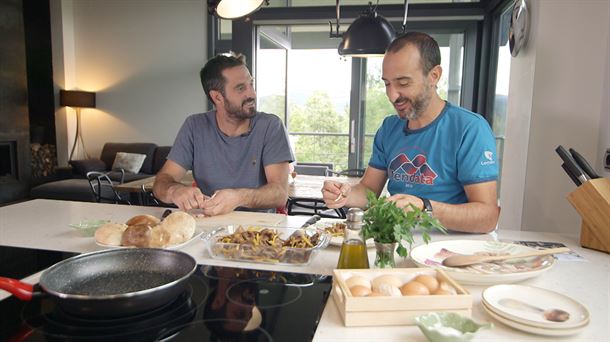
404 18
330 23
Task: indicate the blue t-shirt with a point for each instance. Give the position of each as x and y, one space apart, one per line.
436 161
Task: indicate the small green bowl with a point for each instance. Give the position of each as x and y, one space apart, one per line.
448 327
88 227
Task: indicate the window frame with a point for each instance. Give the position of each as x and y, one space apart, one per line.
474 20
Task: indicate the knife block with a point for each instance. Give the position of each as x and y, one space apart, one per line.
592 201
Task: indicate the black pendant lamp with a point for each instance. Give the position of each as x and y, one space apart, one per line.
233 9
369 35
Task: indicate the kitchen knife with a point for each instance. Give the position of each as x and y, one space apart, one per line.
574 179
165 214
584 165
571 164
312 220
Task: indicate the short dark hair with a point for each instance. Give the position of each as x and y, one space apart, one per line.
427 46
211 73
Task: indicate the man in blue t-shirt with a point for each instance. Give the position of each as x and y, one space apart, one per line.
239 157
434 155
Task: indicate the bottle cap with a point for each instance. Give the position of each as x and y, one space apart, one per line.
355 215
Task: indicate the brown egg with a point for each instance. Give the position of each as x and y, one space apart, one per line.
443 285
358 280
429 281
388 279
376 294
414 288
360 291
440 291
388 290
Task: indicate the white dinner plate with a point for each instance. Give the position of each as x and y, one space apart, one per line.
198 232
337 240
532 329
509 271
541 298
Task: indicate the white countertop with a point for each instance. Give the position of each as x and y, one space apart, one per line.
43 224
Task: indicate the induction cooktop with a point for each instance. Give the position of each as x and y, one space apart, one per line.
219 304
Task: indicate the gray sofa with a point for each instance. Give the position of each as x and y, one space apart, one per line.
71 183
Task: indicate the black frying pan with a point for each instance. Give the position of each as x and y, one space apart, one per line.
113 282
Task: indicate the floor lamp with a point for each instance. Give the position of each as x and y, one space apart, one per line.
77 99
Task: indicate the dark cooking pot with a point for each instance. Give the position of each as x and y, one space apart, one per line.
113 282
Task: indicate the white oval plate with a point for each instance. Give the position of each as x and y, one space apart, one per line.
542 298
197 234
509 271
532 329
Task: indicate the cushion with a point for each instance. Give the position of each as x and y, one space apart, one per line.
110 150
81 167
130 162
160 157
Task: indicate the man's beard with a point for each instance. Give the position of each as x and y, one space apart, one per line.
418 106
238 112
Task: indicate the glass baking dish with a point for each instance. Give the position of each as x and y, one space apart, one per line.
259 253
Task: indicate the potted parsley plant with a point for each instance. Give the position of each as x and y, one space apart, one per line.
389 225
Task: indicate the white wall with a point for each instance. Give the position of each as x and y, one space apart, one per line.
141 57
558 85
604 122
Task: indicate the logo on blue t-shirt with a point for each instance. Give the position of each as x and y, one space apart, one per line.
414 171
490 158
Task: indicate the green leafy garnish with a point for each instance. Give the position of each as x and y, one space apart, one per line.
387 223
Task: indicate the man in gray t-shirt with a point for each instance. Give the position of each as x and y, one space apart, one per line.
239 157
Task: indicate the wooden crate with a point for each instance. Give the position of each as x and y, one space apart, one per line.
376 311
592 201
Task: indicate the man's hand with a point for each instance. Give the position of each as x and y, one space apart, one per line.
186 198
403 200
335 194
222 202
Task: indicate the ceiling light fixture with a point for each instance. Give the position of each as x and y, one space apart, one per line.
234 9
369 35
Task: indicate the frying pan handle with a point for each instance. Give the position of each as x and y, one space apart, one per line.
19 289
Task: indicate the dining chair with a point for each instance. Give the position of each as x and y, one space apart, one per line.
103 188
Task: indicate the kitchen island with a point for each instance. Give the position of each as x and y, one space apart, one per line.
44 224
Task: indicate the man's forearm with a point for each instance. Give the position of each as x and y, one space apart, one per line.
164 186
271 195
473 217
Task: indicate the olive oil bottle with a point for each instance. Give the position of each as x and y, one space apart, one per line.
353 250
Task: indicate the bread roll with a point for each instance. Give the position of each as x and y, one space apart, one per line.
110 234
180 226
143 219
159 237
137 235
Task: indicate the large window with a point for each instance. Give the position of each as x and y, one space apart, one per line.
301 78
499 80
331 105
309 88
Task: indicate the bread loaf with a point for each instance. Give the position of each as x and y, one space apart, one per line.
143 219
110 234
137 235
180 227
159 237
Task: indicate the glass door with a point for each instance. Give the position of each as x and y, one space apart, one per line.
301 78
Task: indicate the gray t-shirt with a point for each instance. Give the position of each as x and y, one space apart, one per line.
222 162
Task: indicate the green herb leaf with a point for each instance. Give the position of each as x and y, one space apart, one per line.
386 223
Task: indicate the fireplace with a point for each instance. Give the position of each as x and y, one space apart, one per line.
8 161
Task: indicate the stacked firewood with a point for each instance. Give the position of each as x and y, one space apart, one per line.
44 160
